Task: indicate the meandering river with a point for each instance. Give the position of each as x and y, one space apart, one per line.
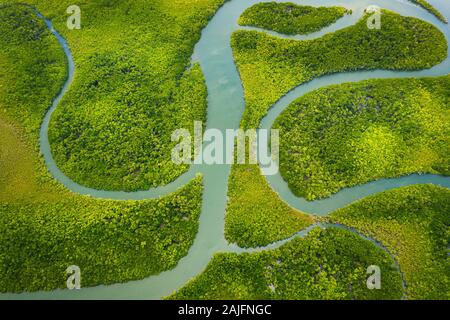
225 107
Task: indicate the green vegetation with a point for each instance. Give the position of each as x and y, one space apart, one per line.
413 223
431 9
33 69
107 145
270 66
111 241
327 264
29 53
349 134
256 216
43 227
289 18
131 89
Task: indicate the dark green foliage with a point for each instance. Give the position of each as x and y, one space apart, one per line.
289 18
350 134
327 264
413 223
270 66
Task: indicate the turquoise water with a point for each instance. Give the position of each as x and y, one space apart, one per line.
225 107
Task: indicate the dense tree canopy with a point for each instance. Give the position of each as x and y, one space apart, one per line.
43 227
132 88
271 66
256 216
134 85
413 223
429 7
289 18
327 264
350 134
